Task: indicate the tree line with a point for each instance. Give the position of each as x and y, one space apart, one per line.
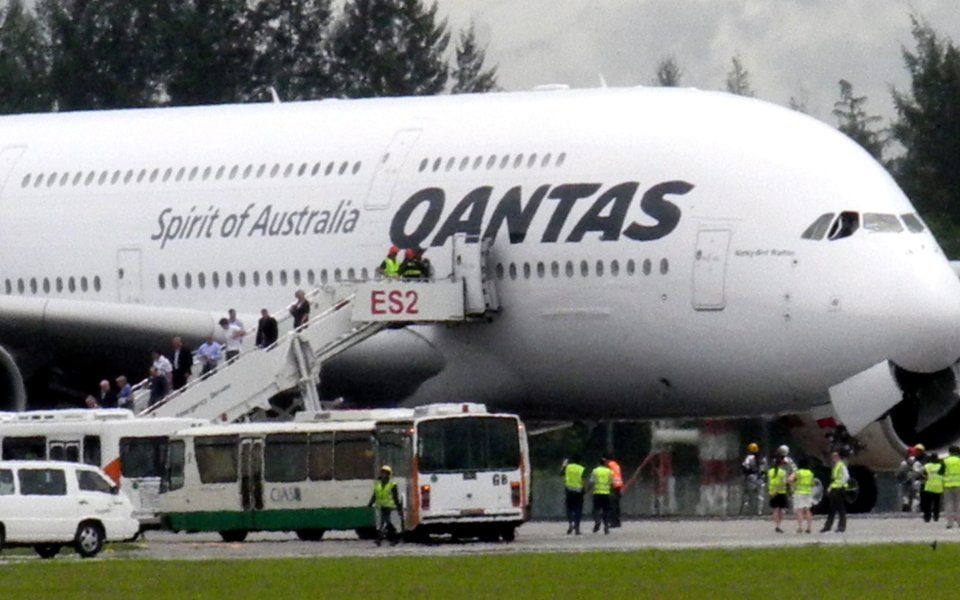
102 54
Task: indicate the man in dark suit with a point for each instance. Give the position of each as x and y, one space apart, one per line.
107 398
266 329
182 359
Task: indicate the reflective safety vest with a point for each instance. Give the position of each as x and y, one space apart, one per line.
836 479
411 269
573 477
617 475
951 471
805 481
777 479
934 483
391 267
383 493
602 479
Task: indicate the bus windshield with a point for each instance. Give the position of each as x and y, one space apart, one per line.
468 444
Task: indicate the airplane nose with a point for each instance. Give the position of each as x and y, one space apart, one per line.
930 325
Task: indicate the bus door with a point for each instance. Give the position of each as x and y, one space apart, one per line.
395 448
251 474
68 450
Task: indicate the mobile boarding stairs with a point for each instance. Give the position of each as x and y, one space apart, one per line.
343 315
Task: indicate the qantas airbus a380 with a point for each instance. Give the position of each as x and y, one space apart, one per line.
657 252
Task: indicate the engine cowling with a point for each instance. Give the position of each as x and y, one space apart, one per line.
13 393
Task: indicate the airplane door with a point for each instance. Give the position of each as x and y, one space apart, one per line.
129 283
710 269
8 159
385 176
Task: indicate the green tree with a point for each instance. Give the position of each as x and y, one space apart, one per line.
469 76
389 48
668 73
928 128
23 61
290 49
738 78
854 121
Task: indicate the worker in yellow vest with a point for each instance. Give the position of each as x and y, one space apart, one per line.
951 486
601 483
616 492
387 499
777 488
572 473
932 492
839 476
803 481
390 267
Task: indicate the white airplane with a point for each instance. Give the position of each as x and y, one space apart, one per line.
657 252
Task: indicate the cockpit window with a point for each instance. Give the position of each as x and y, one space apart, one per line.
913 223
845 225
881 223
818 228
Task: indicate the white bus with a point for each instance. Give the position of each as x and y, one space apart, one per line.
130 450
460 469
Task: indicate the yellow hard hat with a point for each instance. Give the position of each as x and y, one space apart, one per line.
920 448
753 447
386 469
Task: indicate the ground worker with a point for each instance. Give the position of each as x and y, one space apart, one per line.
387 499
572 473
909 478
951 486
753 468
803 482
839 476
390 267
412 266
788 465
617 491
932 492
601 482
777 482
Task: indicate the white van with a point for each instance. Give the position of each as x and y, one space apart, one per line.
47 504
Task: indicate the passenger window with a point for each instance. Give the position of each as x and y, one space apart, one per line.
561 158
647 266
913 223
283 277
216 458
569 268
25 448
555 269
464 163
202 279
664 266
584 268
256 278
526 270
881 223
215 279
499 270
91 450
599 268
477 163
315 169
423 165
242 279
296 277
89 481
541 270
269 278
343 168
353 456
6 482
42 482
818 228
436 164
312 279
320 457
285 456
228 278
614 268
513 271
846 224
188 280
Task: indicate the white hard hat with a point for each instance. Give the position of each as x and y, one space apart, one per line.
783 450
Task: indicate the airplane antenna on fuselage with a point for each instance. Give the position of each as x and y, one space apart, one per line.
603 80
274 95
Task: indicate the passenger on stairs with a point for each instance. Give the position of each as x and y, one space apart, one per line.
266 329
234 335
210 352
300 310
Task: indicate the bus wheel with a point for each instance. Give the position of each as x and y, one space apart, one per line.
233 536
489 535
47 550
311 535
508 533
366 533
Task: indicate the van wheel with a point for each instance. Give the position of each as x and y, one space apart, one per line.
89 539
47 550
489 535
311 535
233 536
3 537
508 533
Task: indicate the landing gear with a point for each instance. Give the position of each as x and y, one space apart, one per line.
861 495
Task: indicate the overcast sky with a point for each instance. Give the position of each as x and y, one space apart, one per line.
792 48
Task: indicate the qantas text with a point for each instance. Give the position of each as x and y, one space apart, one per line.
605 216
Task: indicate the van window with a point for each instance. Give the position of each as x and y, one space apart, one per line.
216 458
92 482
142 456
286 457
42 482
175 461
91 450
353 456
321 457
6 482
25 448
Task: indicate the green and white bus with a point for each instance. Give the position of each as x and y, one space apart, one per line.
461 471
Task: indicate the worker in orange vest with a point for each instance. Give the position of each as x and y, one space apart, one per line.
616 492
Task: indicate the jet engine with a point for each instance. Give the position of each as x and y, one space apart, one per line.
13 394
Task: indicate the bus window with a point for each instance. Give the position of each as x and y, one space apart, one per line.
285 455
142 456
25 448
175 462
216 458
474 444
72 452
321 457
91 450
393 449
353 456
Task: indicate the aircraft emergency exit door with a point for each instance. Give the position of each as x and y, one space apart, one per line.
710 269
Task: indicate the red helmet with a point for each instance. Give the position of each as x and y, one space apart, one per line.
393 251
